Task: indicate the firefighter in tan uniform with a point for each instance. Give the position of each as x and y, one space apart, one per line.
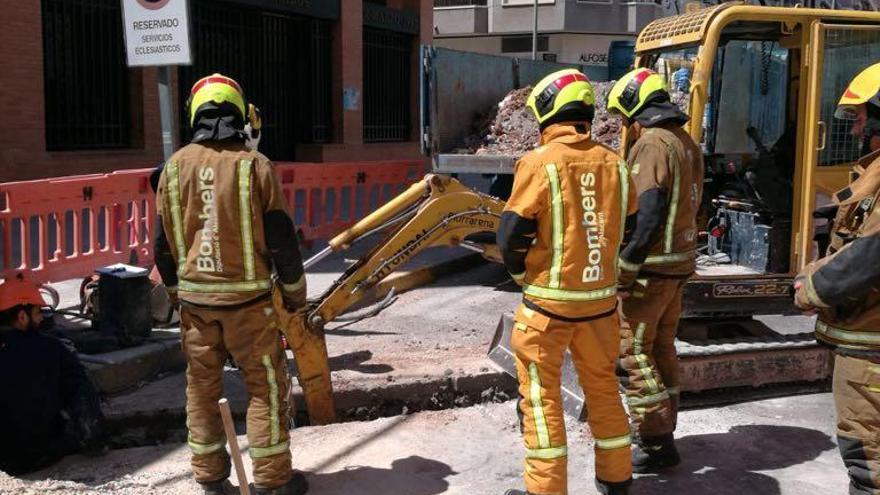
225 234
844 288
667 169
560 234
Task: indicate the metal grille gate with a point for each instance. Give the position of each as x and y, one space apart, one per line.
282 62
86 78
387 85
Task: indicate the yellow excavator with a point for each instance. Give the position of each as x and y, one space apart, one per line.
760 85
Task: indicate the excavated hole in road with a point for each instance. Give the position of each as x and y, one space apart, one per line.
170 427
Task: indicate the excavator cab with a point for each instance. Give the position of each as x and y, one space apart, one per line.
760 85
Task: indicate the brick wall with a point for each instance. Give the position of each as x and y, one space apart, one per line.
23 152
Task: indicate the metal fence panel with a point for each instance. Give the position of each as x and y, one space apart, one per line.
387 86
86 79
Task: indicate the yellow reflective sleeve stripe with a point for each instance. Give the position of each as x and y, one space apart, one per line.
548 453
847 336
274 427
626 265
189 286
670 258
173 179
556 210
299 284
614 443
624 206
673 205
647 399
873 387
260 452
538 407
204 448
812 295
246 212
569 295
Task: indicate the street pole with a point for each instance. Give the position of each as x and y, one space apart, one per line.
166 111
535 33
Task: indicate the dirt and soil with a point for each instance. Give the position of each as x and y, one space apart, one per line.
511 129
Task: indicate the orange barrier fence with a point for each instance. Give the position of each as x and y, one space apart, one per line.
65 228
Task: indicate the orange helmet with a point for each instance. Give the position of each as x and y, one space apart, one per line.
17 291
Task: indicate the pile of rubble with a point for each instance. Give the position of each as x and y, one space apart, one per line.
511 129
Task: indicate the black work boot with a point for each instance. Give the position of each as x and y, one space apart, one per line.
221 487
608 488
651 454
296 486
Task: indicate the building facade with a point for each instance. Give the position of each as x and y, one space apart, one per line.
570 31
336 80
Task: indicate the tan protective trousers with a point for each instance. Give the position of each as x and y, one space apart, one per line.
650 323
857 397
250 334
539 344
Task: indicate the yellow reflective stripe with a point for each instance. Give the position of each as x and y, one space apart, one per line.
639 337
812 295
260 452
245 212
641 359
556 209
670 258
204 448
614 443
189 286
847 336
626 265
548 453
673 390
624 206
522 327
274 428
673 206
569 295
518 276
874 369
647 399
299 284
538 407
874 388
173 183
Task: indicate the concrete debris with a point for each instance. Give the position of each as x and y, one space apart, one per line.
511 129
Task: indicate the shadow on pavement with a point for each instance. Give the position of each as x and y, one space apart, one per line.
726 463
354 361
412 475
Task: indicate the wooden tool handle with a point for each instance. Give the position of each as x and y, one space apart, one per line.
234 450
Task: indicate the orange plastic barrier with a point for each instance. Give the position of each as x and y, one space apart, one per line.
65 228
325 198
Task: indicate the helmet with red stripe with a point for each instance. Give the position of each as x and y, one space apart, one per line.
635 90
563 96
216 91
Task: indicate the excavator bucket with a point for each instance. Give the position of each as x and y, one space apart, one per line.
502 356
310 352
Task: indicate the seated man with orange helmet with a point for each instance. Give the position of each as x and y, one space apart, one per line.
48 408
559 235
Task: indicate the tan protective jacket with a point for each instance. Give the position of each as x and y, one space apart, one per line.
845 285
564 222
667 169
212 198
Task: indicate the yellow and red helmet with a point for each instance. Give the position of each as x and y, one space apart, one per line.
864 88
634 90
217 89
566 95
19 291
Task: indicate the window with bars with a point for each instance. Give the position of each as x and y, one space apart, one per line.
387 85
282 61
847 51
87 92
